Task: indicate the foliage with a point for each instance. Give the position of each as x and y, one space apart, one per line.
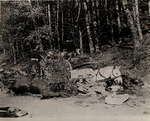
27 26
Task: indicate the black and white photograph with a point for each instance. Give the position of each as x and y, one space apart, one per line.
76 59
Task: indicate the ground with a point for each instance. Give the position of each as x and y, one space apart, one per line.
76 106
87 106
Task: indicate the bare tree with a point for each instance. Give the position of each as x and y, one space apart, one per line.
106 9
57 24
138 20
50 27
62 21
95 26
149 7
88 28
1 38
131 23
76 26
118 17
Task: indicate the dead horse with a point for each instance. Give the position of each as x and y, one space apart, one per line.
112 72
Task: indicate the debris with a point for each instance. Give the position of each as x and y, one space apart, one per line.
115 88
4 64
82 73
1 70
116 99
12 112
146 112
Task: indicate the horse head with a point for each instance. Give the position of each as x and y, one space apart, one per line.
116 75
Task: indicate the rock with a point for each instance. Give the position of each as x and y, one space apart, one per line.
116 99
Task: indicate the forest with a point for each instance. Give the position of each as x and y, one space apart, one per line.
91 57
35 26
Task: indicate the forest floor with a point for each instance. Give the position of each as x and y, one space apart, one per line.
90 106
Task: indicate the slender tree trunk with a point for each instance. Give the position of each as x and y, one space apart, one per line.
95 26
81 41
118 17
97 12
91 47
1 38
134 11
57 24
149 7
79 11
131 23
12 49
106 9
62 21
76 26
112 33
0 12
22 49
50 27
14 53
138 20
17 48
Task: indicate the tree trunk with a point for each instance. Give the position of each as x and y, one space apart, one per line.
131 23
95 26
62 21
22 49
112 33
50 28
118 17
57 24
12 48
134 11
81 42
106 11
91 47
97 12
78 28
1 38
138 20
149 7
0 13
79 11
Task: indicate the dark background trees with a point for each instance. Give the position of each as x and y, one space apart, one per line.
33 26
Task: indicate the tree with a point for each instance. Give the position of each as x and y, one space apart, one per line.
118 17
131 23
57 24
149 7
91 47
50 27
95 26
1 38
138 20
